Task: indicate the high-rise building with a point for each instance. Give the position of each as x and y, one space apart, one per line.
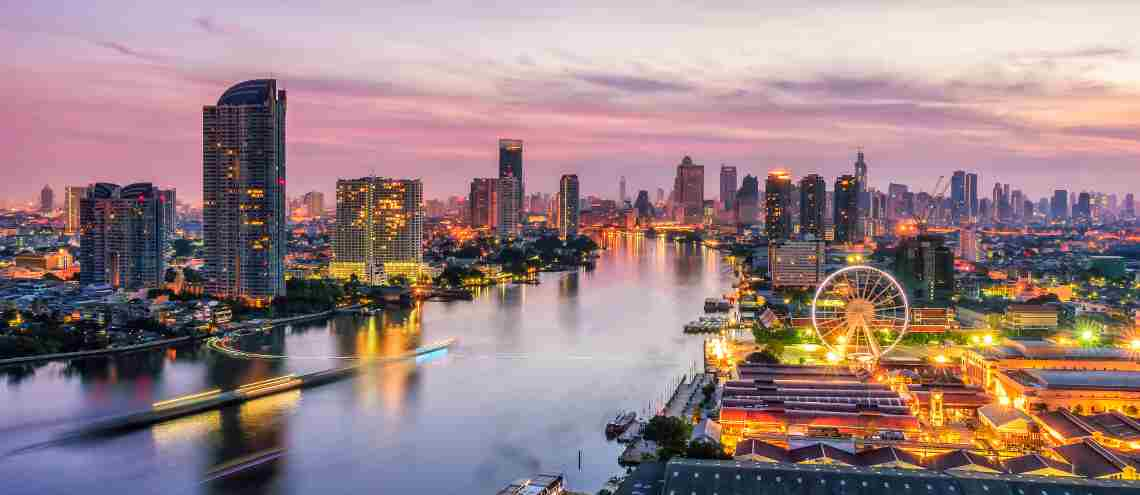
998 203
72 196
968 247
379 229
972 195
1060 206
121 236
727 187
777 205
1129 210
643 206
511 165
747 202
314 202
244 207
568 208
813 204
1016 205
168 201
660 195
925 266
846 209
1083 209
622 198
689 188
897 202
507 222
796 263
861 172
482 203
959 206
47 199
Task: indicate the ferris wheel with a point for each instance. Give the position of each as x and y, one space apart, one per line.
860 312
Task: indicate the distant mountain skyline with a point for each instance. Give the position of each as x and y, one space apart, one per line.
114 92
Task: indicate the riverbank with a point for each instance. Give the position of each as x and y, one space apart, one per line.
166 342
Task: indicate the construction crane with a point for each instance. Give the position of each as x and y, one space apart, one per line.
922 216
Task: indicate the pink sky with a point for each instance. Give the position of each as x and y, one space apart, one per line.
1042 96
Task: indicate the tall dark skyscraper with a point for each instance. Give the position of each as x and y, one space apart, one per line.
972 195
643 206
481 202
958 201
777 205
244 208
846 209
47 199
511 165
860 172
121 236
727 186
568 207
689 188
622 196
813 204
747 202
1082 211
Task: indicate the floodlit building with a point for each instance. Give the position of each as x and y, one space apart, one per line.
796 263
379 229
568 208
122 236
689 191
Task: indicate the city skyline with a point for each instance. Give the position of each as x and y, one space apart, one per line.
580 108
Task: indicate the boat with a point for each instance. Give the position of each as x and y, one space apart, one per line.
620 423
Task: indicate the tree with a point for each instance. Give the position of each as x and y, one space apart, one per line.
671 435
700 449
765 356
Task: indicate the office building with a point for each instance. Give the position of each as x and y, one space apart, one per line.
958 201
568 207
689 192
47 199
777 205
507 191
1060 206
813 204
511 165
314 203
897 202
1082 210
72 196
643 206
727 187
244 192
482 203
622 198
379 229
796 263
972 195
845 216
168 201
925 266
1129 209
747 202
968 244
121 236
660 195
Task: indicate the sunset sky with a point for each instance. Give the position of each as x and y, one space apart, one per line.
1039 95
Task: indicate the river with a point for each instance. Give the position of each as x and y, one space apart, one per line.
537 372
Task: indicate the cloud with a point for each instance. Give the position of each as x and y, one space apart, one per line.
632 84
846 87
130 52
1124 133
212 26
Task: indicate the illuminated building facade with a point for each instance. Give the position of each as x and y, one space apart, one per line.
813 204
168 201
727 187
122 236
379 229
777 205
846 209
796 263
511 166
244 206
568 208
689 192
483 211
506 192
72 196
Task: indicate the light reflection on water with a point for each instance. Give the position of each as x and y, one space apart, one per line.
536 373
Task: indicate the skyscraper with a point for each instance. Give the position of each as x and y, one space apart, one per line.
896 202
122 236
482 203
997 203
727 186
972 195
689 188
507 222
660 195
813 204
568 197
244 192
621 192
846 207
72 196
1083 209
511 165
862 197
958 201
47 199
747 202
1060 206
777 205
168 202
1129 210
860 172
643 206
314 202
379 229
